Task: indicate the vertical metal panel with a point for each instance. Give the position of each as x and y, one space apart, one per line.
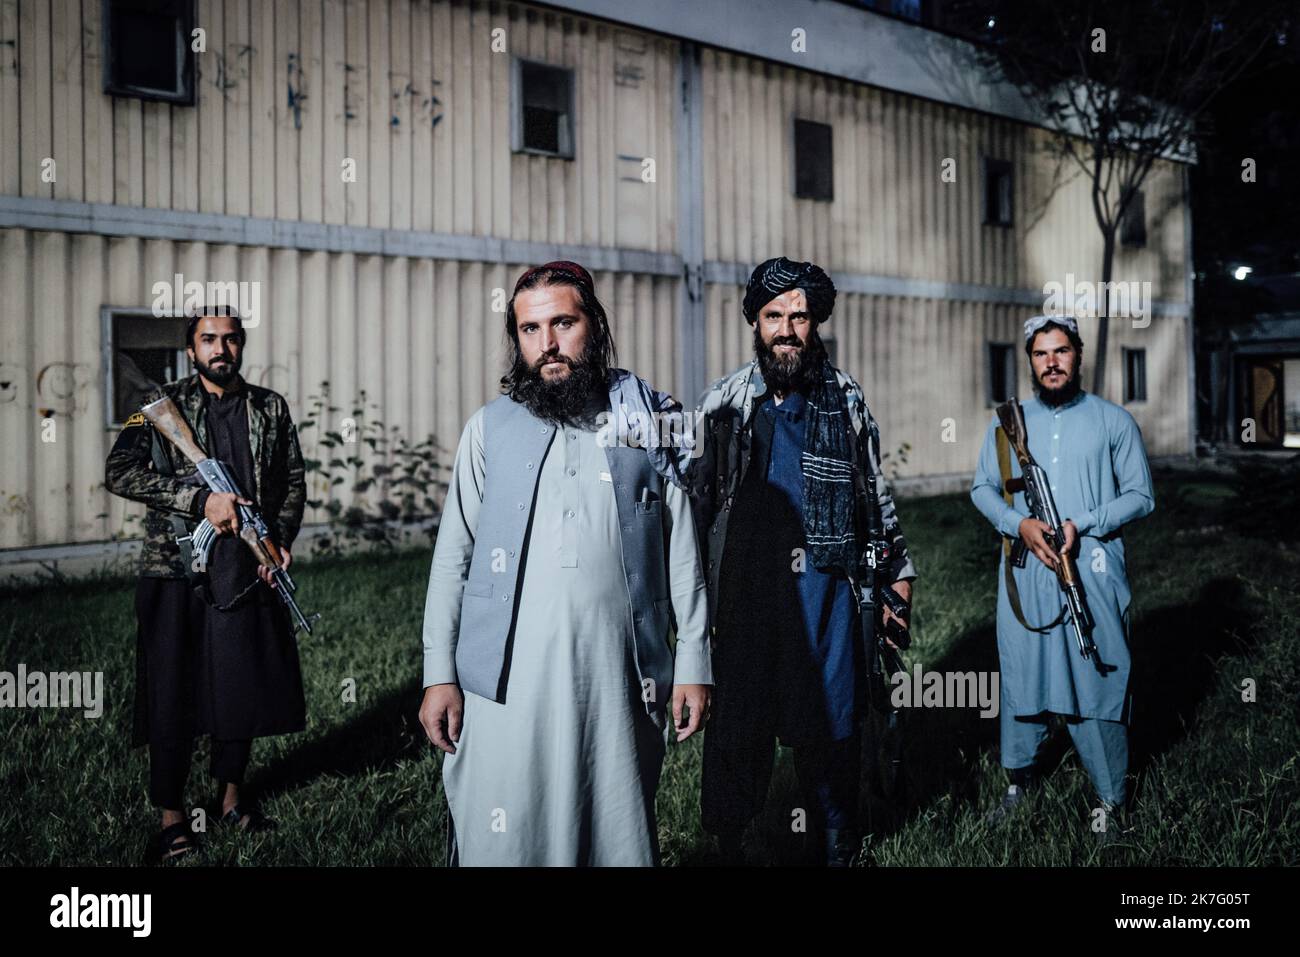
357 78
401 126
380 106
34 127
209 110
421 111
324 126
10 117
266 90
15 389
66 38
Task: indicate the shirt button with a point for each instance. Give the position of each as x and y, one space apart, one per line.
506 596
571 471
572 436
530 464
1053 460
544 430
521 506
1054 436
569 513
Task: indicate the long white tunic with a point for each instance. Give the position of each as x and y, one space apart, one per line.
565 772
1093 455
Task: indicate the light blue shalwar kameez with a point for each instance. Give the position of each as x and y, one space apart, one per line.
1092 453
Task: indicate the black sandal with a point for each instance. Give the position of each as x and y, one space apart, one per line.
257 821
172 843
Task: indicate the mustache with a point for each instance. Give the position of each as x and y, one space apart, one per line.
553 357
786 341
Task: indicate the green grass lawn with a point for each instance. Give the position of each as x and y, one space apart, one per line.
1217 778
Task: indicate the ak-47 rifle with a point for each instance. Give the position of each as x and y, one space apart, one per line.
873 592
253 530
1038 495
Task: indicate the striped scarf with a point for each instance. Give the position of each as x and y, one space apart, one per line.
828 498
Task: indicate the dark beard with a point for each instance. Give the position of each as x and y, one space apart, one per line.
577 399
1062 394
219 377
792 375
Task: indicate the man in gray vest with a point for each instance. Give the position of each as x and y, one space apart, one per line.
563 558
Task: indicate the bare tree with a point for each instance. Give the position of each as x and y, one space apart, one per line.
1120 84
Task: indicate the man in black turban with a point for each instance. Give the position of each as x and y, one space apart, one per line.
786 436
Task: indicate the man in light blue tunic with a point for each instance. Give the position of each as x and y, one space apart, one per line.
1092 453
563 557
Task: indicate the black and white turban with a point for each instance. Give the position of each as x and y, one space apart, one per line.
780 275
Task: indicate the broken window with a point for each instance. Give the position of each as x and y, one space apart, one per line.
144 352
147 49
543 118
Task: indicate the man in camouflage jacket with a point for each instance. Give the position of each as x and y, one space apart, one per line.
777 517
215 651
132 472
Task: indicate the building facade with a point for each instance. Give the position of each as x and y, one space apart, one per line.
379 171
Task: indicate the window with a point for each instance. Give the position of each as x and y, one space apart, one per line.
997 192
543 114
141 352
1001 376
1133 227
813 163
147 49
1135 375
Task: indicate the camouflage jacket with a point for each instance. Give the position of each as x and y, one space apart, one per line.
131 472
714 477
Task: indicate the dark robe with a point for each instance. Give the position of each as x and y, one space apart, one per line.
221 660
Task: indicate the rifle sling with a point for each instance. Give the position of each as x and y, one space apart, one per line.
1013 592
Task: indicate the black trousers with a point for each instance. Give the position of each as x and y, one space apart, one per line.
169 768
171 621
736 781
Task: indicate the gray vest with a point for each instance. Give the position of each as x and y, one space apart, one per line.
515 442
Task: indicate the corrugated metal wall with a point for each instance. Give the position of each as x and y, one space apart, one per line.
892 215
409 89
418 336
413 92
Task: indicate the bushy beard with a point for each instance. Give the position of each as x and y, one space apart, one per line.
1063 393
220 377
789 374
576 399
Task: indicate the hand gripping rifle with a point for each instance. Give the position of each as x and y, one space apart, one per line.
1038 495
253 529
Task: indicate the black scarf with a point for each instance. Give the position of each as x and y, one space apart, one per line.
828 495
